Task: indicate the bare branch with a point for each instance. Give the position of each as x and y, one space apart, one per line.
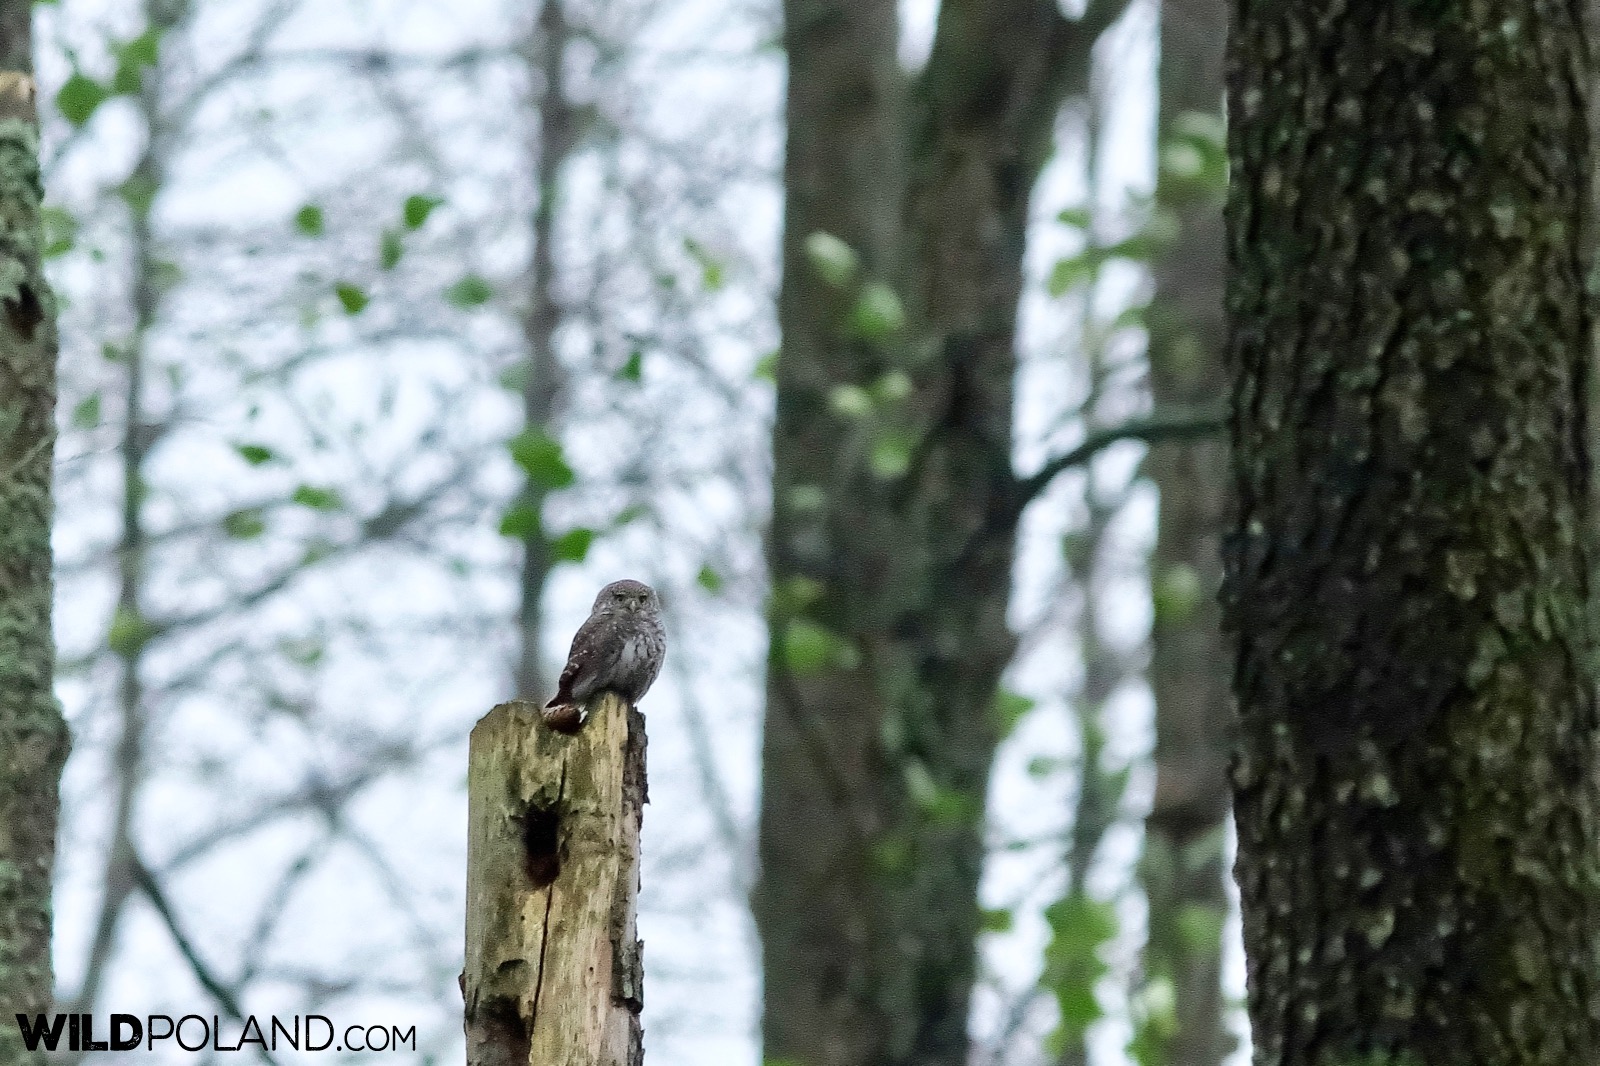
1158 428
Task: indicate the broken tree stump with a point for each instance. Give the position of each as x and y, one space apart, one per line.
553 971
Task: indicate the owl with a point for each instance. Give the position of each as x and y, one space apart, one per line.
620 648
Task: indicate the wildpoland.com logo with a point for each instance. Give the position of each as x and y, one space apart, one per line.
192 1032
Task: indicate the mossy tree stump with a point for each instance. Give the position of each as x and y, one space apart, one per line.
553 964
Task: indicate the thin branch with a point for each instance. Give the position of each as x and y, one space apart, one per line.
1158 428
209 981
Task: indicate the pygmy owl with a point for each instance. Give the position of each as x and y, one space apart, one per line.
620 648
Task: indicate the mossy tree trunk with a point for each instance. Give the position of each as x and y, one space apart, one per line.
1415 788
894 510
1182 867
33 736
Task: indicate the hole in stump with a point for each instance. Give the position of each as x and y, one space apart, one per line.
541 828
25 312
497 1035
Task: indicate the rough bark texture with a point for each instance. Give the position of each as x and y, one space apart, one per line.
33 736
1416 781
541 390
1182 867
891 543
554 969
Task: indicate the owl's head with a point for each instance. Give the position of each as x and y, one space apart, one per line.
626 597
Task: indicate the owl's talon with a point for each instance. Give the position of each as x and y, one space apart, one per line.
563 718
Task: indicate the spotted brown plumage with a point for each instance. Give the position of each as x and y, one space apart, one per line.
619 648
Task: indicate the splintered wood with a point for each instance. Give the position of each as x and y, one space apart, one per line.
553 971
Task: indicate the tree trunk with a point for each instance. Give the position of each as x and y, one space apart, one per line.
33 736
894 510
1182 866
554 970
1415 786
541 388
130 630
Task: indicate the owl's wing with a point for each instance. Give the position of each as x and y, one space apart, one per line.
591 659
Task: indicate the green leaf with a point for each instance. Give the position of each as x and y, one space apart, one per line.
316 551
164 275
139 191
920 785
1009 709
1200 928
318 499
850 401
809 649
255 454
1182 160
303 651
892 387
143 50
834 261
1153 238
79 96
797 593
516 376
129 632
308 220
807 499
352 298
713 275
1071 272
709 580
1080 928
1131 317
1043 765
246 524
1155 1021
470 291
892 856
521 522
766 368
877 314
890 457
633 369
1203 127
417 208
390 250
86 415
1080 217
127 79
541 458
631 513
60 231
1175 594
572 546
938 804
996 920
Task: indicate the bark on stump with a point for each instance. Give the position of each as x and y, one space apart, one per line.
553 965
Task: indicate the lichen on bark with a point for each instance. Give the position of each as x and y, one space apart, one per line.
1415 786
33 736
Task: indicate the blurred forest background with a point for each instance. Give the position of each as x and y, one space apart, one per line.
390 329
